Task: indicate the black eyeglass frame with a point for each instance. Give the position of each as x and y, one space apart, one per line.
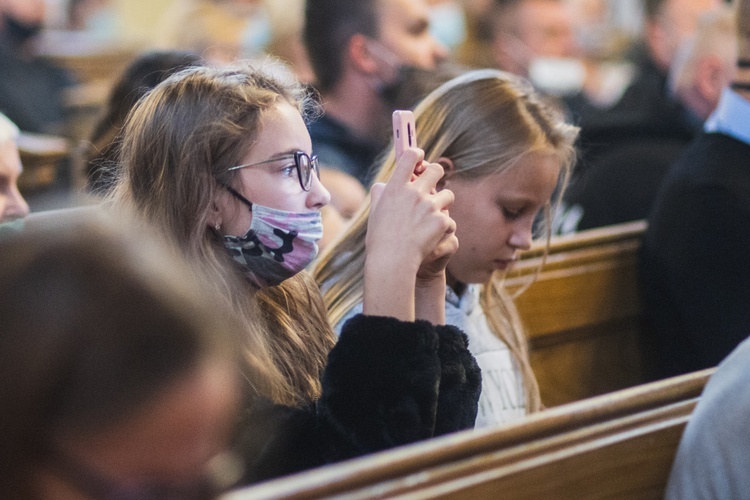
305 182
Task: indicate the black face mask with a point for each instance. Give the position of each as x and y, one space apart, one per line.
411 85
18 32
398 92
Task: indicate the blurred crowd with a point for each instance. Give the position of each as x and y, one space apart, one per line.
252 133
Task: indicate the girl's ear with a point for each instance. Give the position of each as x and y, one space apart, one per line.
449 168
214 219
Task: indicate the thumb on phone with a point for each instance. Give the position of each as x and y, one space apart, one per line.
406 164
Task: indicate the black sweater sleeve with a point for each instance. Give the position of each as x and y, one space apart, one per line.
387 383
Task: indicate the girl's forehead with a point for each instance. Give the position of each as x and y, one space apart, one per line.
282 130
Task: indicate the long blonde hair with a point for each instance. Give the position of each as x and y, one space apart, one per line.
178 143
484 121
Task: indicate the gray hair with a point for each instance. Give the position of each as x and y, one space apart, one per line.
8 130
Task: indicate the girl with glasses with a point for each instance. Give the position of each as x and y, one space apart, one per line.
221 161
504 153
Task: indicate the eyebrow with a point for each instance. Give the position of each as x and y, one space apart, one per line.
281 155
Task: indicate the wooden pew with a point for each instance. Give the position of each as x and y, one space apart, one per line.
40 158
583 312
618 445
86 56
95 64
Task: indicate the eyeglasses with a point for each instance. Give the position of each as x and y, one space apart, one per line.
305 164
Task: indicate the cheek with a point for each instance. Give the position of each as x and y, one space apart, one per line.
237 221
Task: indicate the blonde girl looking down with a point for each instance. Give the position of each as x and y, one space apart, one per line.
504 153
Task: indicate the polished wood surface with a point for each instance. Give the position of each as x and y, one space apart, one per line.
88 57
582 312
618 445
40 158
95 64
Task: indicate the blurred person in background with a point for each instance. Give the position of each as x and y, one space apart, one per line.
12 204
647 127
621 182
359 52
646 107
118 376
526 32
31 89
219 30
706 64
693 262
535 39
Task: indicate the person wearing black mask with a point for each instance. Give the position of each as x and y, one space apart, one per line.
359 52
30 87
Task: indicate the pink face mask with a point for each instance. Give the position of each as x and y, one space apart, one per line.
278 245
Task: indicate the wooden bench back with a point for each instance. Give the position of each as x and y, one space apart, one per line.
40 156
618 445
583 313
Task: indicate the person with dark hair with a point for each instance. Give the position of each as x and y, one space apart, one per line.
694 272
99 153
358 51
118 376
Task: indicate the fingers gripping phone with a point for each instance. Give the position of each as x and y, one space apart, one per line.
404 132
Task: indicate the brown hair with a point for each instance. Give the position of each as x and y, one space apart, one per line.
178 144
94 325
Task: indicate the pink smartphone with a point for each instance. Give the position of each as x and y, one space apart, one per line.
404 133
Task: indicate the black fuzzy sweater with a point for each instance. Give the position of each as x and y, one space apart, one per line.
387 383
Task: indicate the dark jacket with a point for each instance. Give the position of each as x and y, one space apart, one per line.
387 383
340 149
626 150
694 265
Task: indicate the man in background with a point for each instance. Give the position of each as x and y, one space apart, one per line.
359 50
525 31
12 204
694 271
31 89
620 182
